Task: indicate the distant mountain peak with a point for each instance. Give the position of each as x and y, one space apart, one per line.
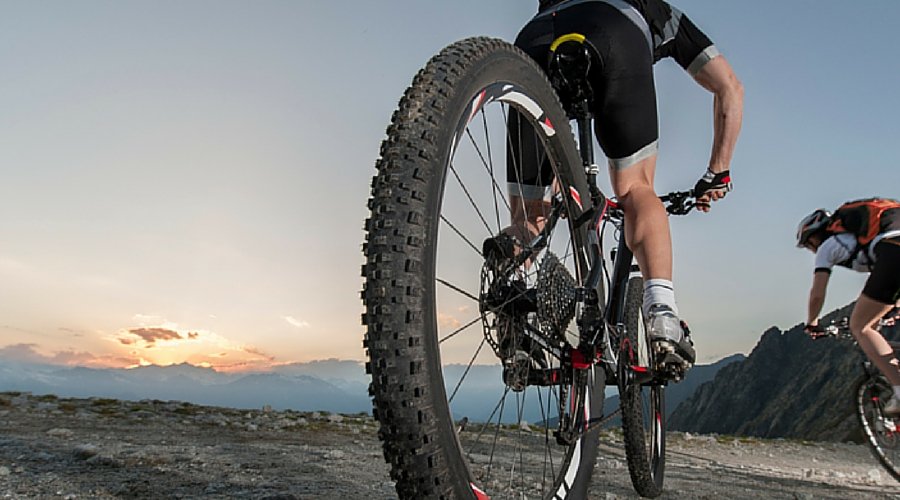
790 386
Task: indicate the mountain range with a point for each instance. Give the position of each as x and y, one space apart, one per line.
790 386
327 385
677 393
338 386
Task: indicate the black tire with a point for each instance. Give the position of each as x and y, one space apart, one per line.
431 453
643 406
882 434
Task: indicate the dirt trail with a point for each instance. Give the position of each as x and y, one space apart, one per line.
99 448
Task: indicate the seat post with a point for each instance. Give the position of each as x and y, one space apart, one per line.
571 57
586 147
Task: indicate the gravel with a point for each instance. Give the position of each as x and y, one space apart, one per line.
102 448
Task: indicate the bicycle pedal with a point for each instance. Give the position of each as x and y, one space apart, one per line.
662 347
672 366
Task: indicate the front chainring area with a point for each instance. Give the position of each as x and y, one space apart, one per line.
525 325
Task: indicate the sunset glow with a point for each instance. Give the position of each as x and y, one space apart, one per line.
195 192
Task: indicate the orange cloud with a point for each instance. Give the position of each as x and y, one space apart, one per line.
151 335
448 321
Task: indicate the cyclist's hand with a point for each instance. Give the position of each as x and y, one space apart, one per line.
814 331
711 187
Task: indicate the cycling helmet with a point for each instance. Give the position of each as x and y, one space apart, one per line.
811 224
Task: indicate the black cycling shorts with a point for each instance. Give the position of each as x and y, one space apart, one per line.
624 104
883 284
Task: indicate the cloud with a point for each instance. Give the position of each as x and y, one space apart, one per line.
22 352
29 353
72 331
448 321
295 322
257 352
151 335
193 335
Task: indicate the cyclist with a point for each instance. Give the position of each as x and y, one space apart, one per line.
874 249
629 36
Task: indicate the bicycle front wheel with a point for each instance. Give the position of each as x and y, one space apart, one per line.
643 403
882 433
477 395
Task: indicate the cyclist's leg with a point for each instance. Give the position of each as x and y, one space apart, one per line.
527 170
877 298
529 179
627 130
865 314
646 222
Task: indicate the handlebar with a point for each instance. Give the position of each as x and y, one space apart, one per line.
838 329
841 327
679 202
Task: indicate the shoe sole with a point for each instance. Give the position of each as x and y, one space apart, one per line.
670 363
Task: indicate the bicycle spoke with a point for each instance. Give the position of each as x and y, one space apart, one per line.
548 455
456 289
459 330
487 139
520 432
499 427
469 196
464 238
491 416
488 167
466 372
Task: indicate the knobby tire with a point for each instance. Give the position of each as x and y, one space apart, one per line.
410 395
643 407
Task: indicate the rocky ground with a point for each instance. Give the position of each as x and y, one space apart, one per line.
102 448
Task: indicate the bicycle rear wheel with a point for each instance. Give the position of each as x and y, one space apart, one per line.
458 417
643 404
882 433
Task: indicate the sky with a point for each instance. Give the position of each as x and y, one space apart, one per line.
187 181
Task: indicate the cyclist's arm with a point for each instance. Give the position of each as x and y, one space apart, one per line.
717 77
817 296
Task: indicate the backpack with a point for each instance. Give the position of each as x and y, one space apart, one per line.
863 218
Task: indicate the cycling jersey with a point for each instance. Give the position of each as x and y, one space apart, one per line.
669 32
843 249
629 36
881 258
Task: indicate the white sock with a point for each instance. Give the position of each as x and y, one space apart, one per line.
897 391
657 291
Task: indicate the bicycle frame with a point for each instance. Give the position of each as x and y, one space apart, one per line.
599 321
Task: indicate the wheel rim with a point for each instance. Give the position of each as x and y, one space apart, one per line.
882 433
497 424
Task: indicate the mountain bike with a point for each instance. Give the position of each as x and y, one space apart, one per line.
872 390
489 357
